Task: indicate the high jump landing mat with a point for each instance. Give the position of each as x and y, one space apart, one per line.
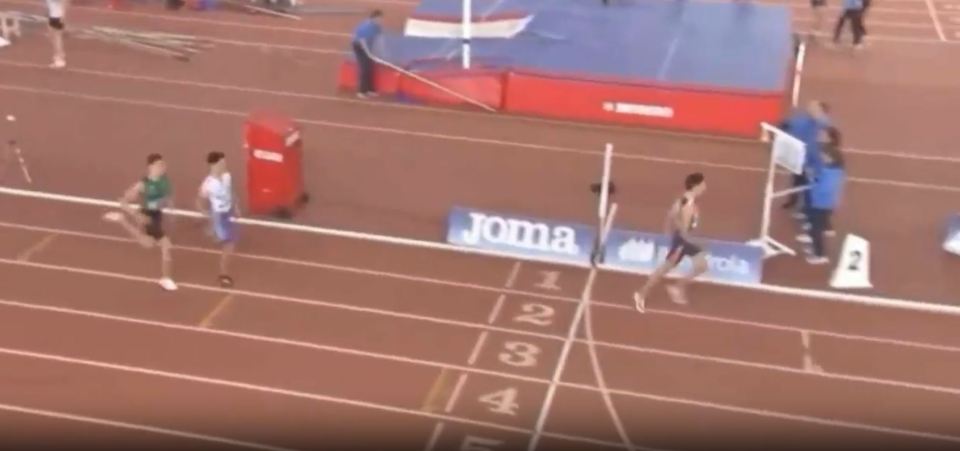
704 67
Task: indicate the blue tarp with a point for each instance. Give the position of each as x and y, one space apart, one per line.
744 46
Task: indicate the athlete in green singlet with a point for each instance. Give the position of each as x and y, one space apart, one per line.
151 194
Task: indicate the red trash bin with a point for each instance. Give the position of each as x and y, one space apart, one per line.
274 149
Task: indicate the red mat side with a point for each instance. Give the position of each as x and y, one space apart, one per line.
386 81
482 85
662 106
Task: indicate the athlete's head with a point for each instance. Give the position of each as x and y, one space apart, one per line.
818 109
155 165
375 15
695 183
217 162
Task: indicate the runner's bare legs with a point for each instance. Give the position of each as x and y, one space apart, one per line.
59 55
678 291
166 260
225 254
135 231
640 297
166 246
55 26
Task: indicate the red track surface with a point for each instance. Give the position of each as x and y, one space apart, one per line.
326 339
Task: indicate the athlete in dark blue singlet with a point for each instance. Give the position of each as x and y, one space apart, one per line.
683 218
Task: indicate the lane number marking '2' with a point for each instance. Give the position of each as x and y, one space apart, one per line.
855 258
536 314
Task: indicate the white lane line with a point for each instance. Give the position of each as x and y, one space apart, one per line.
477 347
497 307
455 394
935 17
500 144
471 325
138 427
561 366
448 283
472 114
465 369
275 391
434 436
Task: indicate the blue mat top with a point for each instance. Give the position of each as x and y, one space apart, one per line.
744 46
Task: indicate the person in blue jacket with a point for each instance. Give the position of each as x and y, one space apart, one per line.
826 191
806 125
853 11
364 39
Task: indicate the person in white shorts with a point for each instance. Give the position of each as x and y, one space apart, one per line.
216 201
56 10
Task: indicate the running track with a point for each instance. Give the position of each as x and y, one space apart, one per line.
328 339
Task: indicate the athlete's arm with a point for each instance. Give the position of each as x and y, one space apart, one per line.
236 204
129 198
669 221
233 198
685 217
201 201
168 201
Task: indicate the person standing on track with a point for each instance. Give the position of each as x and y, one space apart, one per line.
826 189
154 194
817 6
56 10
216 201
681 220
806 125
852 12
364 40
863 26
829 141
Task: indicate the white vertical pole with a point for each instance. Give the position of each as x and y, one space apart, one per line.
605 182
798 74
768 185
768 200
467 32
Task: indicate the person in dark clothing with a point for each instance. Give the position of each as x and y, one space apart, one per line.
681 221
829 142
863 25
817 7
806 126
853 13
826 190
364 38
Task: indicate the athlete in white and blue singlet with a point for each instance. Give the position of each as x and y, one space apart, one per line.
681 220
217 201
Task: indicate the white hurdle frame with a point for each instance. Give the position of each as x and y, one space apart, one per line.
771 247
